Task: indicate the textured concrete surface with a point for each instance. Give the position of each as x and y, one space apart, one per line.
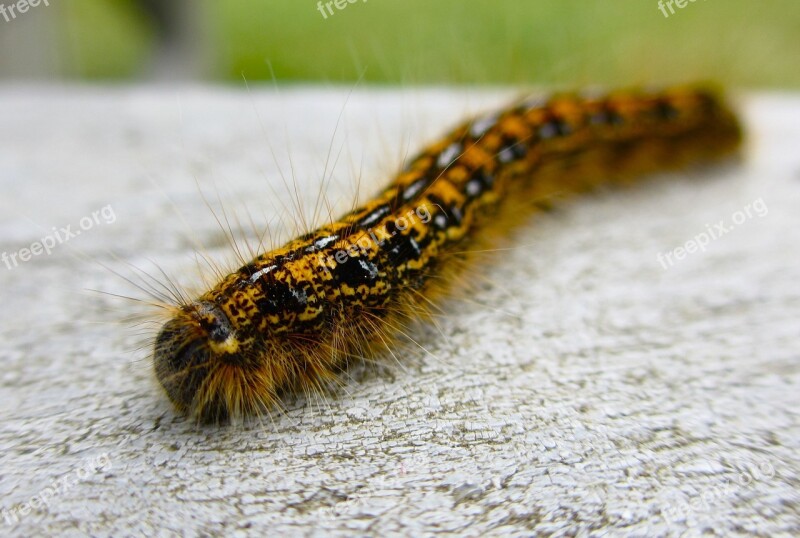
582 389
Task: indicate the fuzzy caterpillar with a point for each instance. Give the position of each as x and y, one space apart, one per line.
293 317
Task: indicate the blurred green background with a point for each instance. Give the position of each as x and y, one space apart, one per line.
745 43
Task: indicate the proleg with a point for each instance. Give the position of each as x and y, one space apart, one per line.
293 318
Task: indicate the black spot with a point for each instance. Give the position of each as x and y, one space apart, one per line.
213 320
479 183
218 329
248 270
615 118
599 118
665 111
355 271
440 221
480 126
449 155
707 100
456 215
402 249
446 215
321 243
280 297
415 188
554 128
473 188
548 130
606 117
512 150
374 216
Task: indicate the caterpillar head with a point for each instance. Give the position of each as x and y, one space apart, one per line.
204 366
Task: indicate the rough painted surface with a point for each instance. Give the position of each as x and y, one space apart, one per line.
581 389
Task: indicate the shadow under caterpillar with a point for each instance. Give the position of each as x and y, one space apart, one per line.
293 317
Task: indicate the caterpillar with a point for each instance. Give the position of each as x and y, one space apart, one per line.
295 317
